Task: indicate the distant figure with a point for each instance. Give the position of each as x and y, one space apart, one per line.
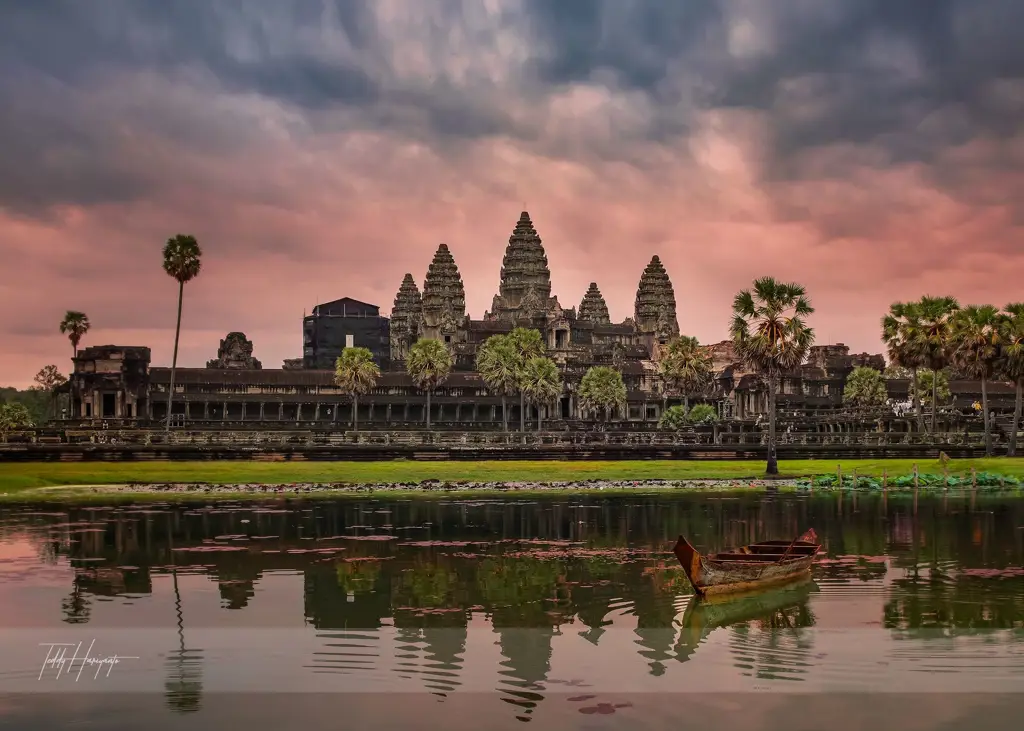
944 459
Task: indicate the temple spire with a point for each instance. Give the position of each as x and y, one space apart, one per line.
655 306
444 297
525 287
593 308
405 318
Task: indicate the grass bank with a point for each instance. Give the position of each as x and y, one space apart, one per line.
18 478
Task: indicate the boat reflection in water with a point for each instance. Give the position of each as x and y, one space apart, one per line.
784 607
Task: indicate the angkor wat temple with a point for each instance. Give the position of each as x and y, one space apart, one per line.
119 384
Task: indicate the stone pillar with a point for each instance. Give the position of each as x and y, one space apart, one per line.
298 411
405 413
224 413
206 410
188 411
243 410
261 410
280 411
387 415
369 418
334 412
316 412
458 412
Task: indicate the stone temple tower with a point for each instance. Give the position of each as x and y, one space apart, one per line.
405 318
655 307
593 308
444 299
525 289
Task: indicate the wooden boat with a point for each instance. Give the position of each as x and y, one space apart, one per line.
748 568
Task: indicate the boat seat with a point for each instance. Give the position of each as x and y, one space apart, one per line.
769 557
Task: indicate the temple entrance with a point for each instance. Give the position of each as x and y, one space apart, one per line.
109 405
563 407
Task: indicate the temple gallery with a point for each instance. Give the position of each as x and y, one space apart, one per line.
119 383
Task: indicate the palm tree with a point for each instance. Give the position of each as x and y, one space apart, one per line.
974 348
528 344
1011 360
542 383
356 374
182 260
75 325
936 317
497 364
772 337
686 367
602 389
903 335
429 364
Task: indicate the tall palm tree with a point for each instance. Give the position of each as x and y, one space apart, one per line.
75 325
602 389
542 384
936 318
497 363
686 367
974 338
903 335
182 260
428 363
528 344
772 337
356 374
1011 360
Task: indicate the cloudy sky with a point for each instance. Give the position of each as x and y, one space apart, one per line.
870 149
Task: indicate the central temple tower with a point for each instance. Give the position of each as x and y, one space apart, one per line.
525 289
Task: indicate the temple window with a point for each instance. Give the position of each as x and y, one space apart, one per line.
561 339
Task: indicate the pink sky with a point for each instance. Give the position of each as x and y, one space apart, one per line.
868 183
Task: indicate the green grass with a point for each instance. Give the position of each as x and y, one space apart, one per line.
19 477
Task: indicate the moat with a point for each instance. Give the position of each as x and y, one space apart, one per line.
560 612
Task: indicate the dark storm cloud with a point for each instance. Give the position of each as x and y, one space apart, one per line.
911 78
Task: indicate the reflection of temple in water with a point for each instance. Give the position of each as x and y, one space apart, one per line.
402 607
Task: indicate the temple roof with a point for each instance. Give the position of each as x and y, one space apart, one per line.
525 286
593 308
655 306
443 291
407 300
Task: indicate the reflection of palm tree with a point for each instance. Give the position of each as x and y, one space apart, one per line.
76 607
183 688
525 667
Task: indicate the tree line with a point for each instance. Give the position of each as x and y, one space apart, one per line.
981 342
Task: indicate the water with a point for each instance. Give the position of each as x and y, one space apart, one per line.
562 613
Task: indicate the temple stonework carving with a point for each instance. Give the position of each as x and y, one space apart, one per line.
443 311
235 353
593 308
655 307
524 292
406 315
